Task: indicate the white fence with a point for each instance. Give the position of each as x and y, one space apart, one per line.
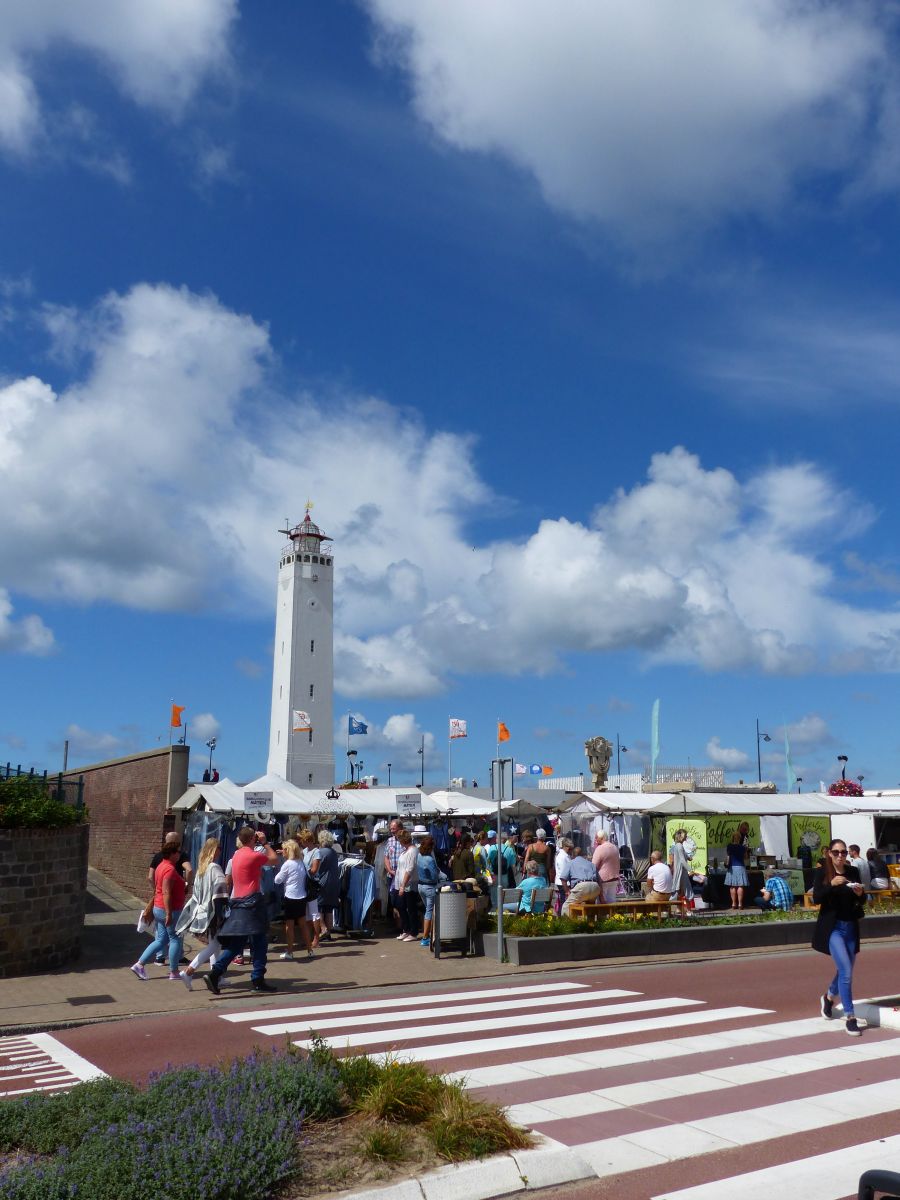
563 783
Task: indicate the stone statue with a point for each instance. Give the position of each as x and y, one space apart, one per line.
599 752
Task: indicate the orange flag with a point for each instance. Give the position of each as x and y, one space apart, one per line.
502 732
545 770
177 710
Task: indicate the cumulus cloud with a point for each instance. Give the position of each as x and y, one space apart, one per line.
203 726
190 454
157 52
96 744
728 757
810 733
652 117
25 635
397 742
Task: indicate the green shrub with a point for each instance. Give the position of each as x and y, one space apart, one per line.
359 1074
387 1144
463 1127
26 803
406 1093
41 1124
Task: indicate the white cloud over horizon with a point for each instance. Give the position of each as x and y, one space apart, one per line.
190 453
728 757
653 119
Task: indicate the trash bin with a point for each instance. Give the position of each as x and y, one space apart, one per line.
451 922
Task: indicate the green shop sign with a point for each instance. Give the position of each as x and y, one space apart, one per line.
814 832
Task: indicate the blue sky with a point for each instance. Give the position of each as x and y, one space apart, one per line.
580 326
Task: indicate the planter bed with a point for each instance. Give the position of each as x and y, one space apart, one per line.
579 947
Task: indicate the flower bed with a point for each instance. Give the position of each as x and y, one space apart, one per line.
550 925
234 1132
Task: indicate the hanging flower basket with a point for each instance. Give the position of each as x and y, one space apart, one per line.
845 787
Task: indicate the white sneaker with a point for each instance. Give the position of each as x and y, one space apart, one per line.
139 970
286 957
407 937
187 980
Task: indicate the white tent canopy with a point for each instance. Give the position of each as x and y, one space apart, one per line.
699 803
459 804
224 796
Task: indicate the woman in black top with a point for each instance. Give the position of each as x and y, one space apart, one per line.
838 892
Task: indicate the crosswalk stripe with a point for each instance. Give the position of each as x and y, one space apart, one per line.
826 1176
73 1062
545 1036
661 1143
413 1014
569 1064
581 1104
274 1014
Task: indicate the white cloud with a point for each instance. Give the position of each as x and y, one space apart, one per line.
190 457
25 635
397 742
156 51
203 726
810 733
728 757
88 743
653 117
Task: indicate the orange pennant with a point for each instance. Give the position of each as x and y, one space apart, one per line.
502 732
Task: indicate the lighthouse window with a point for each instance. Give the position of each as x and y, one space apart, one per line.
306 558
310 737
310 777
312 646
327 562
312 688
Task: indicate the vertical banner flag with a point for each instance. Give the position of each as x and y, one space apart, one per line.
356 727
521 769
302 723
654 740
502 732
790 777
458 728
177 710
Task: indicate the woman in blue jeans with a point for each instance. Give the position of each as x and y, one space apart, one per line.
839 894
166 906
428 878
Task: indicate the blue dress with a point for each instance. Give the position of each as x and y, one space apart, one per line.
735 855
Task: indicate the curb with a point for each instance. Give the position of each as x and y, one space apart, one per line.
486 1178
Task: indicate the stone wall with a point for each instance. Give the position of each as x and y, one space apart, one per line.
127 800
43 884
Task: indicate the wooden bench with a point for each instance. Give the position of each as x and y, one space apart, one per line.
880 898
629 908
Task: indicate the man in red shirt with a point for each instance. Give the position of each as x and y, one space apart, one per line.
248 918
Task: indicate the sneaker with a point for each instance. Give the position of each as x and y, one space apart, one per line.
309 955
286 957
400 937
260 985
174 976
212 982
826 1007
238 960
407 937
853 1029
187 980
159 960
425 942
140 970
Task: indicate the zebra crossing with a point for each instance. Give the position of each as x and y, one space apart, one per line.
39 1062
631 1082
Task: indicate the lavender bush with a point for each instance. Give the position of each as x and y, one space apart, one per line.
221 1133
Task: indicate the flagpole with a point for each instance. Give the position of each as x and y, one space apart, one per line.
171 726
449 756
499 873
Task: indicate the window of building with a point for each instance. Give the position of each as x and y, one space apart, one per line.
306 558
310 737
312 688
310 777
312 646
280 689
315 558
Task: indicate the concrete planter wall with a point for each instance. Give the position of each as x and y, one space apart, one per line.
43 884
579 947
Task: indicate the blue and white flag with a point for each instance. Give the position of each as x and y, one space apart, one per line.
536 769
356 726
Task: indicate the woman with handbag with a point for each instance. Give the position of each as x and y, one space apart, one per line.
838 892
166 905
202 915
324 868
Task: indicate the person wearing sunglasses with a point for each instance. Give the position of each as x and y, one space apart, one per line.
838 892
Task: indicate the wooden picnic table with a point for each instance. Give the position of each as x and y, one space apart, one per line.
632 908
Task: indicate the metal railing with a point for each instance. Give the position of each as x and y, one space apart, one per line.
60 787
696 776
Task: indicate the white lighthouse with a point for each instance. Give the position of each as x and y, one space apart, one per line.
301 734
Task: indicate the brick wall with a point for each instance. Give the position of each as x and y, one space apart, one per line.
127 800
43 879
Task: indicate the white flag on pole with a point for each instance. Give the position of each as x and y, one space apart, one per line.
302 723
458 728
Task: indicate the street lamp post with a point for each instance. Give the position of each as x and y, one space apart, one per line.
842 759
359 771
760 737
620 750
799 781
351 755
421 754
212 745
860 778
389 774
